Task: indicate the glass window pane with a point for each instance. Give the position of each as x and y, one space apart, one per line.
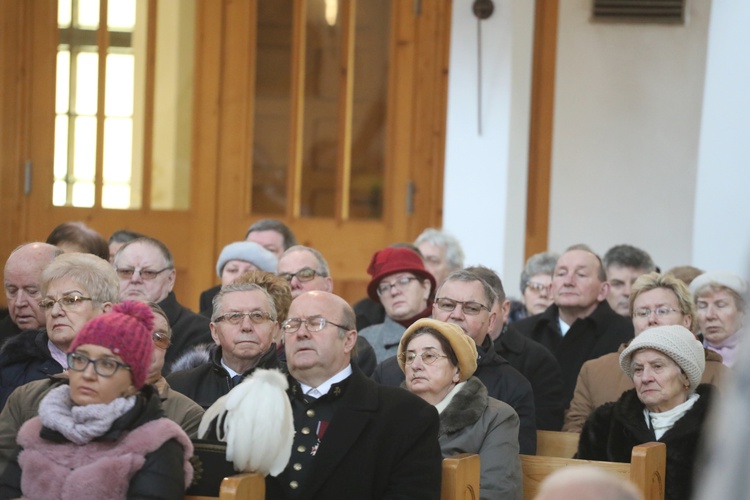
118 144
272 106
320 139
61 147
86 91
64 13
59 193
62 90
121 15
84 149
119 86
88 14
83 194
369 109
116 196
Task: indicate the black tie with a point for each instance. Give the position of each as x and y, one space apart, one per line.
236 380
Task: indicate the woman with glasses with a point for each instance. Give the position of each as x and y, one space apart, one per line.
536 279
439 361
235 260
103 435
75 288
404 287
655 300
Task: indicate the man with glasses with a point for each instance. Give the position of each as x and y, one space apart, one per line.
22 271
656 300
74 288
23 403
243 325
403 286
145 267
354 438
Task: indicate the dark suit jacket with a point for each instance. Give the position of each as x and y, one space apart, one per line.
382 442
188 330
598 334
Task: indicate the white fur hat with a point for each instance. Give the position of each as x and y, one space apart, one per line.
249 251
676 342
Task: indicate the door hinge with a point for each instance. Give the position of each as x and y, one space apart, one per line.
27 167
417 5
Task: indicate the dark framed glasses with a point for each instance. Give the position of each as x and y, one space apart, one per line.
106 367
303 275
469 308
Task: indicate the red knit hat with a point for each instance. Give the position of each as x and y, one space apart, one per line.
395 260
126 331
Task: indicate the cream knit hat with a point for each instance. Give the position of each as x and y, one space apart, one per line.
676 342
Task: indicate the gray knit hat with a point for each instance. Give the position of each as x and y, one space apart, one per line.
249 251
721 278
676 342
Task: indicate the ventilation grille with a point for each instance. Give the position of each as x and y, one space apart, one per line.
661 11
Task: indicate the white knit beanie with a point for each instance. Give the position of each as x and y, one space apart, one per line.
676 342
248 251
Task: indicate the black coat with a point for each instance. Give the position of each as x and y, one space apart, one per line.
8 329
541 369
208 382
598 334
614 428
381 443
188 330
25 358
206 303
503 382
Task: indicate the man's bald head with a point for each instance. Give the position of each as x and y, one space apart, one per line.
22 271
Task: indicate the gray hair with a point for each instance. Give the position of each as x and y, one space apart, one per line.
274 225
240 287
93 273
629 256
491 278
467 276
540 263
454 254
323 268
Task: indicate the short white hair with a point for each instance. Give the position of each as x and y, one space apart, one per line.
586 482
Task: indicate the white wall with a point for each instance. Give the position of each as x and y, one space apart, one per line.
485 176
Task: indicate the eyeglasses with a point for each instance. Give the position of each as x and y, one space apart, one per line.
66 302
659 311
236 317
537 287
106 367
313 324
160 340
469 308
146 274
303 275
399 284
428 357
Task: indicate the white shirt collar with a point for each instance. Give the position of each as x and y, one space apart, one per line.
231 372
323 388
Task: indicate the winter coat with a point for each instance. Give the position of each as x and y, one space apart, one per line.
602 380
541 369
503 382
475 423
598 334
142 455
188 330
8 329
24 358
208 382
613 429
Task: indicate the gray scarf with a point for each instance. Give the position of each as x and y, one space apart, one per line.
80 424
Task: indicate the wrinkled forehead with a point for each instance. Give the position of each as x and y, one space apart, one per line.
294 261
465 291
317 303
245 300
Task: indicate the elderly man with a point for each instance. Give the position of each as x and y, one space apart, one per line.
75 288
442 253
656 300
403 286
624 263
22 271
145 267
580 325
271 234
23 403
354 438
530 358
243 325
464 299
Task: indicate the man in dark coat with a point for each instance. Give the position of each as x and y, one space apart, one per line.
354 438
579 325
243 326
146 270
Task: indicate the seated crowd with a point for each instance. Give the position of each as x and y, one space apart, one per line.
102 369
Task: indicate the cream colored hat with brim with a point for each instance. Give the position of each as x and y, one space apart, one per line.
463 345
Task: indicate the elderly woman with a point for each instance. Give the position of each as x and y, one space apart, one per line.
235 260
536 279
667 405
103 435
721 312
439 361
402 284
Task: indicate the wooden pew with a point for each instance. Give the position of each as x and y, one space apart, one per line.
246 486
556 444
646 470
460 477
